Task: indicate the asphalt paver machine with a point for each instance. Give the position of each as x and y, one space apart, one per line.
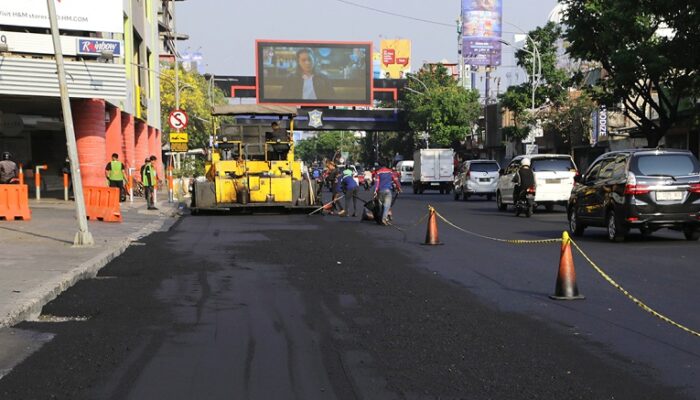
253 167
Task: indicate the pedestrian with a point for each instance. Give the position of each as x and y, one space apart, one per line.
349 187
332 182
385 182
114 171
8 168
149 178
66 170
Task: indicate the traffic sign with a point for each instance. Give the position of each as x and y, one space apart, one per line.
178 147
178 119
178 137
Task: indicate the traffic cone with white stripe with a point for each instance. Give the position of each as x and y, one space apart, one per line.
566 288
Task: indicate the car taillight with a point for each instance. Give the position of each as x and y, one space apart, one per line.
694 188
531 189
636 189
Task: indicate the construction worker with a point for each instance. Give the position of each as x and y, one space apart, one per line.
8 169
349 188
149 178
114 171
385 182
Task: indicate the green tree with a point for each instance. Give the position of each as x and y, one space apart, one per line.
571 119
552 84
643 69
326 145
435 103
194 99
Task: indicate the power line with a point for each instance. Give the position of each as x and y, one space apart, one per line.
427 21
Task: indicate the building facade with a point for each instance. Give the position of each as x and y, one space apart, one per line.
111 52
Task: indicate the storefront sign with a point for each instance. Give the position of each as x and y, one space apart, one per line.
78 15
96 47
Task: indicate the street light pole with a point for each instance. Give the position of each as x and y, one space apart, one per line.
83 237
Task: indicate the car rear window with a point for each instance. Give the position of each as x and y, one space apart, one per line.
484 167
552 164
665 164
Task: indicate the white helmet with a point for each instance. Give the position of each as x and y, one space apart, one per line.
526 161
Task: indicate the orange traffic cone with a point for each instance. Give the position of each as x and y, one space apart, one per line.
566 288
431 235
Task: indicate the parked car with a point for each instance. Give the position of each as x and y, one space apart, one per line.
476 177
554 179
646 189
405 170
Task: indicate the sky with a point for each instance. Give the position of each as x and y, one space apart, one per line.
225 30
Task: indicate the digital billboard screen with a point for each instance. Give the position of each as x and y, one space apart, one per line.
481 31
314 73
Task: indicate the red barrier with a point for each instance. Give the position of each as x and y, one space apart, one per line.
14 202
102 203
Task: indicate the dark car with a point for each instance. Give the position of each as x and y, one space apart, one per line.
647 189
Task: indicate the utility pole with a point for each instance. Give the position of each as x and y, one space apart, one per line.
83 237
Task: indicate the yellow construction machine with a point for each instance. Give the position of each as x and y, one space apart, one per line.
251 164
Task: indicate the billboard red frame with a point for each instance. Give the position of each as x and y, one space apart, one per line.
260 78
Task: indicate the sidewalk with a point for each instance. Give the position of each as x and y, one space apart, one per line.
38 261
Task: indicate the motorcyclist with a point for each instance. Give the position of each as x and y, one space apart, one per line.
524 179
8 169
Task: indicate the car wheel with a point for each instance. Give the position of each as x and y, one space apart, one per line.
616 232
691 233
549 207
575 227
499 202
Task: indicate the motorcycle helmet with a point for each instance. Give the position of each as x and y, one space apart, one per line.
525 162
6 155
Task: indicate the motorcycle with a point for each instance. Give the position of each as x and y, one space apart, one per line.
526 202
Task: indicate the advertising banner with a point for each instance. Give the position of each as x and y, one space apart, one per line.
395 58
314 73
481 32
78 15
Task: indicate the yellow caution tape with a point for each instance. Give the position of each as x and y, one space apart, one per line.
635 300
602 273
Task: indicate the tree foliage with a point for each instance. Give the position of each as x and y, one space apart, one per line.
552 84
570 119
440 106
644 70
326 145
194 99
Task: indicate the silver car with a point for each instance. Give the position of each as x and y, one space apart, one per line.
476 177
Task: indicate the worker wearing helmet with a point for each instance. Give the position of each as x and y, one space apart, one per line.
8 168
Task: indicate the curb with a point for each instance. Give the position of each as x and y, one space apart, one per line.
51 289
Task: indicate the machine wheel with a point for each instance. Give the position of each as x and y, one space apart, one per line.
575 227
691 233
616 232
499 202
528 210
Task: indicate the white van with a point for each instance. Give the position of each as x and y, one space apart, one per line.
405 170
554 179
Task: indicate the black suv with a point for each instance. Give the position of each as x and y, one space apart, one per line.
646 189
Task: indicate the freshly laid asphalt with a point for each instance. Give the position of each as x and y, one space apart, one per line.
297 307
